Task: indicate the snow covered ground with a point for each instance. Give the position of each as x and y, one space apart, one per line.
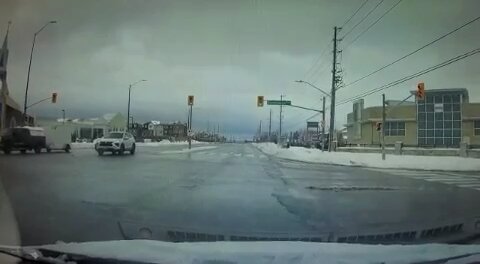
372 159
142 144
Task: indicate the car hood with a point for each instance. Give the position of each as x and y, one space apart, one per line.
266 252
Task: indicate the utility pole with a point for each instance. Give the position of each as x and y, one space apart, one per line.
270 126
323 123
334 81
384 115
280 129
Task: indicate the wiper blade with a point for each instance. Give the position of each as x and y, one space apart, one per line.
31 255
46 256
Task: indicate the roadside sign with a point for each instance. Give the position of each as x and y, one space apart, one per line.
278 102
312 124
190 133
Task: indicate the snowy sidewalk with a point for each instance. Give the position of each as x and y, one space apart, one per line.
373 160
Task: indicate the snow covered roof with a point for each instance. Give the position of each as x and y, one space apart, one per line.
109 116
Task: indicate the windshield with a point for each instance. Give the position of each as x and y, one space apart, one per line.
341 122
114 135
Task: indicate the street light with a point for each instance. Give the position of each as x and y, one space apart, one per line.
323 109
314 87
129 92
30 66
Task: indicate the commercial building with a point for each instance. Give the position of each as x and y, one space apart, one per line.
157 130
444 118
89 128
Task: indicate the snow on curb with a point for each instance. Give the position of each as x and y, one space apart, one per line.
90 145
373 160
186 150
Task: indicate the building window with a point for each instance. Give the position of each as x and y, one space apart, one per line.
439 123
395 128
476 127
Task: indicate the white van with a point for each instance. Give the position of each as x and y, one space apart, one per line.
58 137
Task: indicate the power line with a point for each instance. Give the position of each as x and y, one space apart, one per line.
415 51
363 19
409 77
314 64
373 24
311 70
354 13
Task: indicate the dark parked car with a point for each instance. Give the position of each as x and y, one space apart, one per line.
23 139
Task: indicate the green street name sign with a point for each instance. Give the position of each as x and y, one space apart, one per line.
278 102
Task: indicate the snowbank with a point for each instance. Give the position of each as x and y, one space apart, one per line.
167 142
82 145
186 150
267 252
372 159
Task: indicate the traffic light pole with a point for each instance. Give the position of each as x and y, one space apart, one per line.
189 125
270 126
384 114
323 124
280 129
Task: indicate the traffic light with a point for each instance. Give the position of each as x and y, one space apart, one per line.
378 126
260 101
421 91
54 98
190 100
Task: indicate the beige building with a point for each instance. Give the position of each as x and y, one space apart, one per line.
89 128
443 119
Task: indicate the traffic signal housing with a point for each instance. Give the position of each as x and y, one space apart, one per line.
190 100
54 98
421 91
378 126
260 101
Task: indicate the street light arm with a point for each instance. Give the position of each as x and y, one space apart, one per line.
44 26
314 87
137 82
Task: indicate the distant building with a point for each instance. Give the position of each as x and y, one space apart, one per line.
176 131
90 128
443 119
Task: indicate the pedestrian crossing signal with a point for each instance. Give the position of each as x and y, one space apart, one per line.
421 91
54 98
190 100
378 126
260 101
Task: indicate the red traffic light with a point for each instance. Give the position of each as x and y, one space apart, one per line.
260 101
54 98
421 91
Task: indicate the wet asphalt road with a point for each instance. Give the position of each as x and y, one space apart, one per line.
225 188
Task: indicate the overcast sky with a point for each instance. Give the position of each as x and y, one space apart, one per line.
226 53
